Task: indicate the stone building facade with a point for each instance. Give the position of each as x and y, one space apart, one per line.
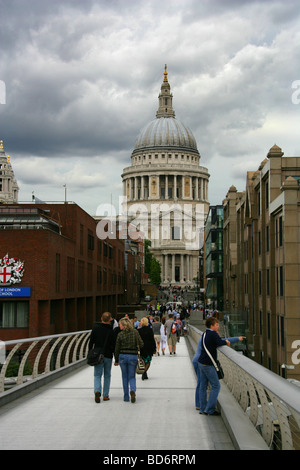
262 261
166 192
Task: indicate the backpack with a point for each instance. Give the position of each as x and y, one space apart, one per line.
174 327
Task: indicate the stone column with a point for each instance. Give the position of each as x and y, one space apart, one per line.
181 268
187 268
175 187
142 188
166 266
166 187
173 268
196 188
135 188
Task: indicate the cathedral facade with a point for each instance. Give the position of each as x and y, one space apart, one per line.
166 192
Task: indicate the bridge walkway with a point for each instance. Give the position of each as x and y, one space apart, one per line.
64 416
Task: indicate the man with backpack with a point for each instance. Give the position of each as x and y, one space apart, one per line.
171 328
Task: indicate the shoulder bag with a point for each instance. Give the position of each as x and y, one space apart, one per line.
141 366
96 354
217 364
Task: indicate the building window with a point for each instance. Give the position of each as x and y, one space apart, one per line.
80 275
267 239
281 281
246 283
70 274
57 273
89 277
260 323
268 281
81 239
105 249
99 276
14 314
280 231
282 331
90 240
175 233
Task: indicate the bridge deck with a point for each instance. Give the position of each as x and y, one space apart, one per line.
63 414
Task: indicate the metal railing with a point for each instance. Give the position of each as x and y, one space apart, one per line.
28 359
271 402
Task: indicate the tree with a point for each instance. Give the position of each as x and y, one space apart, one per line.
152 266
155 271
148 257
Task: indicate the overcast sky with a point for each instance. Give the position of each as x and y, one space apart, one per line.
83 77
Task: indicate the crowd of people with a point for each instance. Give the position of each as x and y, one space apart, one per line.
151 335
122 341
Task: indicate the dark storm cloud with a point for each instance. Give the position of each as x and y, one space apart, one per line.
82 78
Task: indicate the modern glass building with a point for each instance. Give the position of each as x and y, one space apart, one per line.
214 257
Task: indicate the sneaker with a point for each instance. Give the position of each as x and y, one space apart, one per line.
97 397
106 398
132 396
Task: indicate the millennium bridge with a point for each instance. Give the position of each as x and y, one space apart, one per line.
48 402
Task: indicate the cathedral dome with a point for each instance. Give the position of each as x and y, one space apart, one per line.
165 132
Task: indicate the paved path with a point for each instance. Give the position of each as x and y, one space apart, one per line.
64 415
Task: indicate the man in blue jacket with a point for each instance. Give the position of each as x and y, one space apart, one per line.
206 370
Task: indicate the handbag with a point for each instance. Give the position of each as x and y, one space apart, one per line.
96 354
141 365
217 364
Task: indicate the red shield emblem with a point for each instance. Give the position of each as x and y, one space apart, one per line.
5 274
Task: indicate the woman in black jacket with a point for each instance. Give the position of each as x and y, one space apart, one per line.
149 347
102 336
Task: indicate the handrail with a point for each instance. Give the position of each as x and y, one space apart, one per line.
271 402
43 354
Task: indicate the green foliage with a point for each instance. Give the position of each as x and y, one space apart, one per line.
152 266
13 369
155 271
148 257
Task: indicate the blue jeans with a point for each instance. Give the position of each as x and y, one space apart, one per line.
197 391
98 372
208 375
128 363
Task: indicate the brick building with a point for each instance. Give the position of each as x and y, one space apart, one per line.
69 276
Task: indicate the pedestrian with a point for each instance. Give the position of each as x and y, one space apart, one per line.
156 326
149 347
208 373
163 336
179 327
171 336
102 336
233 339
126 355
